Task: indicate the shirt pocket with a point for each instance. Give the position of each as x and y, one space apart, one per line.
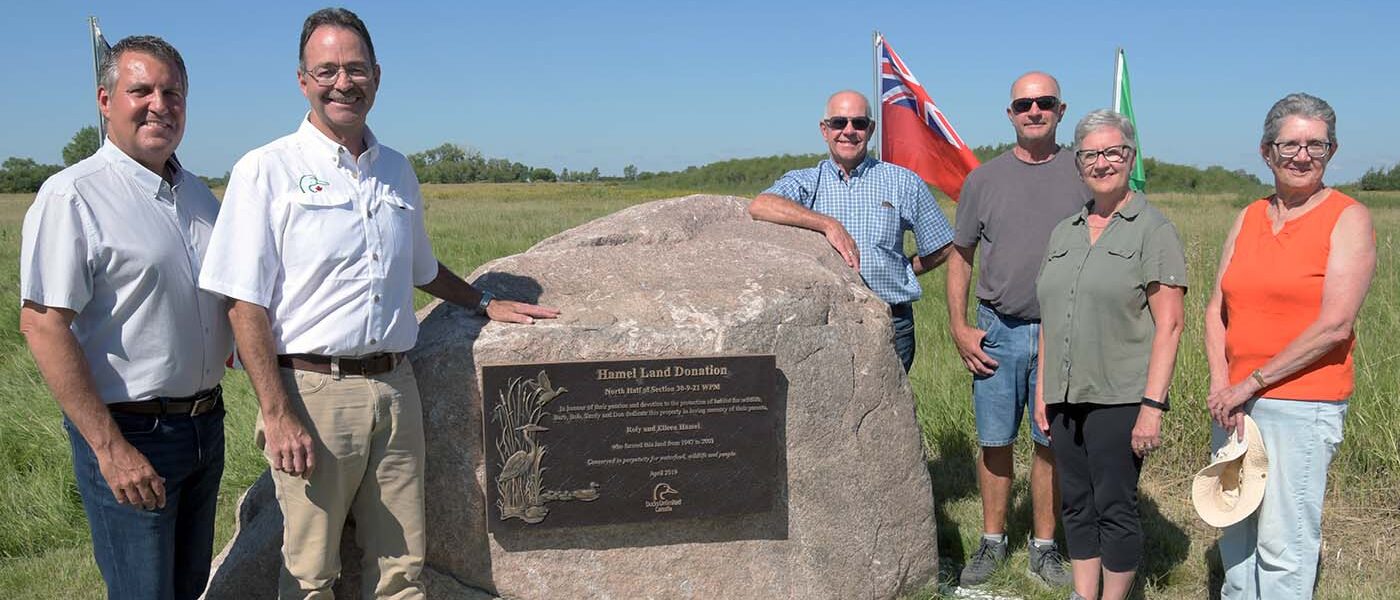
1056 276
396 222
1055 260
1123 253
1117 280
1124 264
889 232
323 238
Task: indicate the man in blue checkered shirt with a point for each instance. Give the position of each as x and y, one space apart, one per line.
863 206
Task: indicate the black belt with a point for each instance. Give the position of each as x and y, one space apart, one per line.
195 405
374 364
903 309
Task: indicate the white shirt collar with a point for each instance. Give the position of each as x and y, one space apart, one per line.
314 140
149 182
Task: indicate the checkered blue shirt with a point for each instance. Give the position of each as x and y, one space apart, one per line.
876 205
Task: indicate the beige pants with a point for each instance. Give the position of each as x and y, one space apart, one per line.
368 433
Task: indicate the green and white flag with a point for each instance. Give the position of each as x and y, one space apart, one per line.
1123 104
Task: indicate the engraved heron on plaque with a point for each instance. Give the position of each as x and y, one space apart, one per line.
519 408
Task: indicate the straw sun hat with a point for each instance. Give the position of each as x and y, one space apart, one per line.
1232 486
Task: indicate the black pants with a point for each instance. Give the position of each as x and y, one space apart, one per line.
1098 475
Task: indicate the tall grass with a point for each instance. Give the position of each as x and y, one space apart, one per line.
43 534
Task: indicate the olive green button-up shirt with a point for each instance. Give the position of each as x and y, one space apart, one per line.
1093 303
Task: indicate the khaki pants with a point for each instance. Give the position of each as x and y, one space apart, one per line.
368 433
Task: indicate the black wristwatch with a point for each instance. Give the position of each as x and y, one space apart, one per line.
486 298
1164 405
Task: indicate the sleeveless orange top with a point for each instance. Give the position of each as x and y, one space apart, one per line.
1273 291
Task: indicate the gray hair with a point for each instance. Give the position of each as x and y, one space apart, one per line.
145 44
1303 105
1102 118
868 113
334 17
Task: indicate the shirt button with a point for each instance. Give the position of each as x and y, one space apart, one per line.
373 341
376 298
374 256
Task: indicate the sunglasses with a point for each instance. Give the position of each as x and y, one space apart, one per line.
839 123
1021 105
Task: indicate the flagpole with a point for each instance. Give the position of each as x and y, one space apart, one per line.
97 76
1118 80
876 107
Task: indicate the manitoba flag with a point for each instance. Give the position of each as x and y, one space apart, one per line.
916 135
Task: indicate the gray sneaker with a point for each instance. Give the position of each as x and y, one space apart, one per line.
1046 565
979 568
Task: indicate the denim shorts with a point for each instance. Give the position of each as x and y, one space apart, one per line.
1000 399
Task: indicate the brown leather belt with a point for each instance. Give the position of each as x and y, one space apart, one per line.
193 406
367 366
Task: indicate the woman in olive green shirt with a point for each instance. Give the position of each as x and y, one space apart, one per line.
1110 294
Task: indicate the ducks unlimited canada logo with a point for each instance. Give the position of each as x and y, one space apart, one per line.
664 498
309 184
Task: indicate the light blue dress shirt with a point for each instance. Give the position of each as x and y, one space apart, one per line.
876 204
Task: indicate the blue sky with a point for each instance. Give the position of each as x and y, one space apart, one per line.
663 85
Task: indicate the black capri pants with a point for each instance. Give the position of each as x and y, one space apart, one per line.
1098 474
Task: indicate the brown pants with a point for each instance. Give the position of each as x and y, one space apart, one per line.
368 433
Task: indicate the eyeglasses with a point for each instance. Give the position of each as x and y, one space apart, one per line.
1291 149
1021 105
859 123
1113 154
328 75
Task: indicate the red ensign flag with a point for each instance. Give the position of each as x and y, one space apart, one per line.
916 135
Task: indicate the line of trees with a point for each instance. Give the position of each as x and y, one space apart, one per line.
451 163
1381 179
24 175
749 175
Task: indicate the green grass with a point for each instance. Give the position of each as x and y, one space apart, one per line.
43 535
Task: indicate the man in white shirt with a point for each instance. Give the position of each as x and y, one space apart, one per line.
321 244
129 346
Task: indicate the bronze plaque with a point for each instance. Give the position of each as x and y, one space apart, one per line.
625 441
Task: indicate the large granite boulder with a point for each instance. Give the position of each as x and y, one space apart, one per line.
681 277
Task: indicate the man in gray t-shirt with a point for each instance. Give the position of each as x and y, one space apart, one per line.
1008 207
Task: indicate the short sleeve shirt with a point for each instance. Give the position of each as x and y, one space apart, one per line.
1094 314
876 204
1007 209
122 248
331 244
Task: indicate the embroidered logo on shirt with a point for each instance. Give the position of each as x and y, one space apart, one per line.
886 204
310 184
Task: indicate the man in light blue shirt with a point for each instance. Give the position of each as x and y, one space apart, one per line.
129 346
863 206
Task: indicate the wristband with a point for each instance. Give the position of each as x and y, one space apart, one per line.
1259 378
1162 406
486 298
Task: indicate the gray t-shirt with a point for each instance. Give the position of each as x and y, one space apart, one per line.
1009 207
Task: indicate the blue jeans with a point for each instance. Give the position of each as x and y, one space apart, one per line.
1000 399
902 317
1273 552
160 554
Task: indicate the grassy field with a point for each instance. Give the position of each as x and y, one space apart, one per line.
43 536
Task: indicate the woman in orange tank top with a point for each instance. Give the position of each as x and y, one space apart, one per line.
1293 273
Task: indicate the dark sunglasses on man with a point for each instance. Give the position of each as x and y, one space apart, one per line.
839 123
1021 105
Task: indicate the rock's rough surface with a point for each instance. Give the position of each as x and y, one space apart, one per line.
683 277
